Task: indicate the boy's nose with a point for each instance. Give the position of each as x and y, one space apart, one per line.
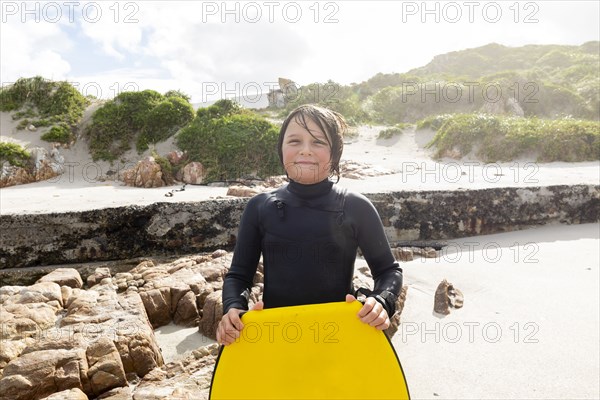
306 149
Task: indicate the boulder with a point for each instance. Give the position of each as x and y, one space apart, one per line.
446 297
193 173
147 173
105 366
97 276
41 373
211 314
11 175
64 277
242 191
176 157
69 394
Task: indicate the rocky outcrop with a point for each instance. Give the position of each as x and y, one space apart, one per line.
147 173
60 339
193 173
41 166
163 228
118 233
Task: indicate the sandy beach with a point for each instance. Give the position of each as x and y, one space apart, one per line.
529 327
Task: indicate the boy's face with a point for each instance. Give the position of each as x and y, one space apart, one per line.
306 157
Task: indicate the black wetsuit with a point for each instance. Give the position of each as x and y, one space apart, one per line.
308 236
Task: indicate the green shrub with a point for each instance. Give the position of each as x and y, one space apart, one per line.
55 103
433 122
143 118
494 138
343 99
220 108
59 133
396 130
47 97
14 154
232 145
177 93
164 120
165 167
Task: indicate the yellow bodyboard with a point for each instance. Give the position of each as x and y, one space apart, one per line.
317 351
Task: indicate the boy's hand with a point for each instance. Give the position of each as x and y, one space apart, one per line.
231 325
372 313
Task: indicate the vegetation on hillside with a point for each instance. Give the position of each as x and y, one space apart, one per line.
497 138
231 142
143 118
42 103
14 154
395 130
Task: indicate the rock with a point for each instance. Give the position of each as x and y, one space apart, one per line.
403 254
395 319
193 173
19 321
425 252
105 367
188 379
64 277
430 252
218 253
211 314
31 128
43 164
184 310
56 156
179 264
242 191
123 393
12 175
275 181
101 312
28 311
98 275
356 170
41 373
70 394
157 303
147 173
446 296
47 171
9 350
176 157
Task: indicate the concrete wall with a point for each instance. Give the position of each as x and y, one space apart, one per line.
184 228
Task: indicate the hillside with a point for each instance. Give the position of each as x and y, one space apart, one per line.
546 81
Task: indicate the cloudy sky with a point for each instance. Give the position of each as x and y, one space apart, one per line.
215 49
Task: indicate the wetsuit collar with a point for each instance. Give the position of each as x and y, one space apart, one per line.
310 191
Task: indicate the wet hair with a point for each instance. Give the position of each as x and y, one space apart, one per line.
331 123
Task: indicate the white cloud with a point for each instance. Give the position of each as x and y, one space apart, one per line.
29 49
115 27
